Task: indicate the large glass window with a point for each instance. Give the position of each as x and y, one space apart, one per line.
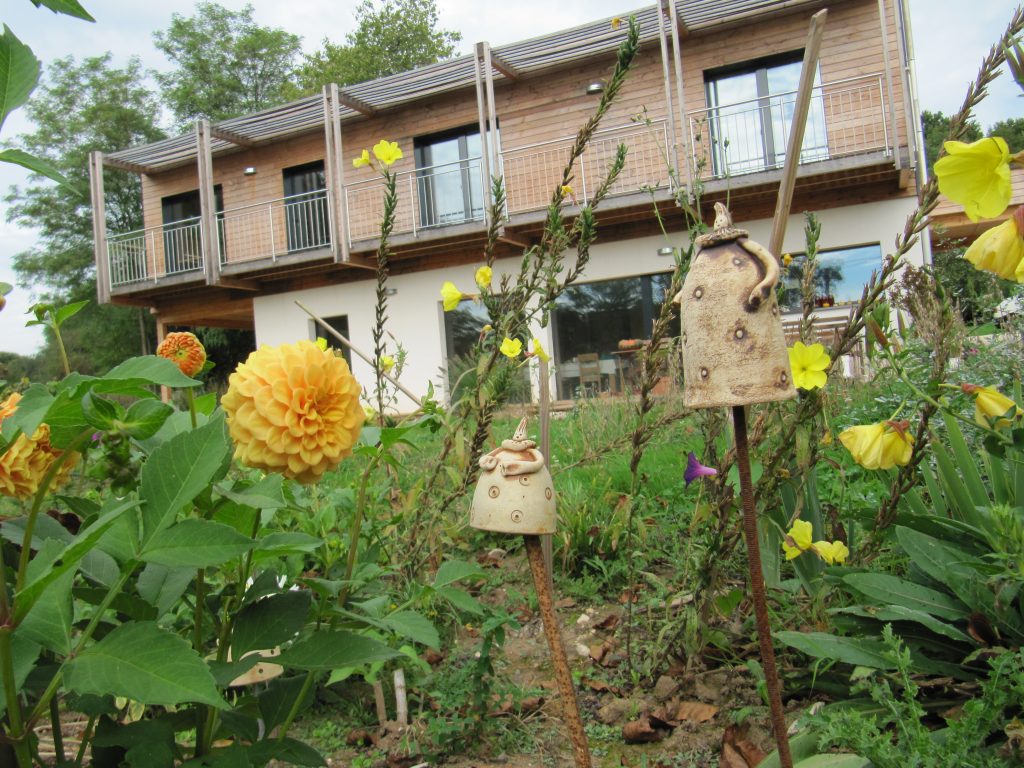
599 327
839 277
462 328
449 179
305 205
751 114
182 232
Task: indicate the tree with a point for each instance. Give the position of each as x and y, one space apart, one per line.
399 36
82 106
1011 129
936 129
225 64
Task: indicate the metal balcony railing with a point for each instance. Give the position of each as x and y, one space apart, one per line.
434 196
846 117
267 230
533 171
155 252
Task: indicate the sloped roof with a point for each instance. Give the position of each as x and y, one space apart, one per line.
551 50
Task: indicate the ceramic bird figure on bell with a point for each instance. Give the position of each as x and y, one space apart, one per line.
514 493
734 350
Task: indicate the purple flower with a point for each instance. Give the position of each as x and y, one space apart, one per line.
695 469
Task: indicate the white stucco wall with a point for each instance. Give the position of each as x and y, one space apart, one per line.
416 317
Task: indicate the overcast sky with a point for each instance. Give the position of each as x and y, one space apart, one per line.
949 46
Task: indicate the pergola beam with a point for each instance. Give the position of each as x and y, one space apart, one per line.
352 102
504 67
124 165
234 138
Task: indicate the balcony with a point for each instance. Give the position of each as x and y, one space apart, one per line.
147 255
846 118
269 230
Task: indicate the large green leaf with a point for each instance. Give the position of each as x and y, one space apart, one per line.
892 613
49 623
178 471
414 626
145 417
69 7
24 653
35 402
37 165
834 761
277 700
267 623
145 663
890 590
195 544
161 586
150 369
455 570
323 651
860 652
287 750
19 73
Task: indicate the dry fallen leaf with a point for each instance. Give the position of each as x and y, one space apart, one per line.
641 731
695 711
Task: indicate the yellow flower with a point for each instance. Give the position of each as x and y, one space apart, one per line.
387 152
369 413
991 404
293 409
185 351
537 349
387 362
566 190
363 159
832 552
511 348
29 458
879 446
1000 249
808 365
483 277
798 539
826 439
616 22
977 176
787 259
321 343
450 296
487 328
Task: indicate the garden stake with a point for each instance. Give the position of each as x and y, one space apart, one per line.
515 495
734 355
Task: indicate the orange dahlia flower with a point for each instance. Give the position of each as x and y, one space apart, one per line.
185 351
293 409
23 465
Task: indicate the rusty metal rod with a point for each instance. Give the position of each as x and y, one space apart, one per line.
570 704
764 631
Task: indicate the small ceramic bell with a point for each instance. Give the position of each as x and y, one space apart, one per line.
734 350
514 493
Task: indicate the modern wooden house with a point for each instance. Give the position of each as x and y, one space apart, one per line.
244 216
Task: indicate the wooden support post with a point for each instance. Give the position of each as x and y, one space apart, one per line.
884 30
161 334
677 28
99 227
481 98
667 77
207 204
330 172
341 199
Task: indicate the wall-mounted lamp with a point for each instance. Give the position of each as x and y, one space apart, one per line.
667 251
595 88
390 291
249 171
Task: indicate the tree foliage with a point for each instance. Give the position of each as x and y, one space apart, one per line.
225 63
398 35
1011 129
936 128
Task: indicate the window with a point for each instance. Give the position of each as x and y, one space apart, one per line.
839 278
305 206
340 324
593 318
183 248
449 178
462 327
750 113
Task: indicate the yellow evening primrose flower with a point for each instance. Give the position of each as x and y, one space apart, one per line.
387 362
537 349
363 159
991 404
387 152
321 342
616 22
879 446
977 176
787 259
483 277
566 190
1000 249
808 365
450 296
798 539
832 552
511 348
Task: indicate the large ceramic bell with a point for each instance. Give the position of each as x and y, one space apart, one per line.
734 351
514 493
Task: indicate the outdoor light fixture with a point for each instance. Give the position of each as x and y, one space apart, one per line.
668 250
595 88
250 171
390 291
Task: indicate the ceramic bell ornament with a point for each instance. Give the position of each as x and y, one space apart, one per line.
734 351
514 493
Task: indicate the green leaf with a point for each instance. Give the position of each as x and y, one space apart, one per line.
966 463
455 570
284 543
287 751
892 613
462 600
38 165
414 626
268 493
269 622
140 661
100 412
178 471
161 586
801 746
195 544
35 402
145 417
24 653
150 369
49 624
834 761
277 701
69 7
19 73
323 651
857 651
891 589
68 311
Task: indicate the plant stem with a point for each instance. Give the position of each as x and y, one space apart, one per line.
58 736
356 526
296 706
60 346
86 738
191 406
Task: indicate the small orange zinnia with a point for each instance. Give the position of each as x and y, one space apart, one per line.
185 351
293 409
23 465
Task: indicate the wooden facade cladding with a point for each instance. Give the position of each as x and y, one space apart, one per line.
537 115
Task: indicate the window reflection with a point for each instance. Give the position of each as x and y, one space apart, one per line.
462 327
839 277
